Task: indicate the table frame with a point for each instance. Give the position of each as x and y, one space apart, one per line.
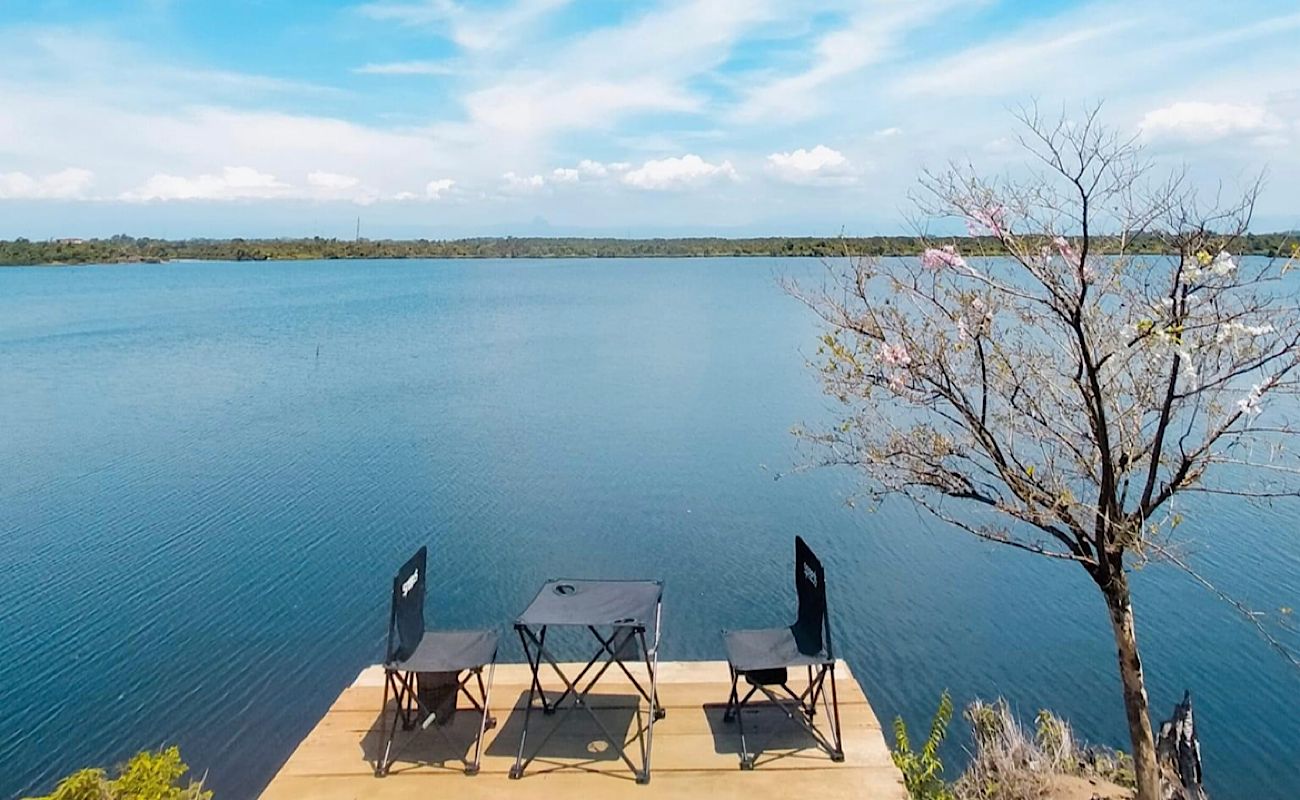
535 651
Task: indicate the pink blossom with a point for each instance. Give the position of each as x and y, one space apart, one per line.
989 218
895 355
1067 251
946 256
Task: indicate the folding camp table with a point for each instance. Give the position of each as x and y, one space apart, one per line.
623 608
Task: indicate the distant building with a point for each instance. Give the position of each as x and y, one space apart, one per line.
69 241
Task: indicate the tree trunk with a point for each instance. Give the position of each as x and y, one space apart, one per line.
1135 691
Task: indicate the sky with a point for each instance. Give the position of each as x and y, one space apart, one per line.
449 118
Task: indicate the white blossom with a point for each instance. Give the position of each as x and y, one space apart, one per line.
1249 404
1223 265
1233 330
975 319
1187 367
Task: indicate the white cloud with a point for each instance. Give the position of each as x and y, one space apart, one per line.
522 184
820 166
596 80
678 173
593 169
587 170
549 103
234 183
125 143
1008 65
332 180
67 184
435 189
407 68
655 80
1197 121
335 186
471 29
1001 146
871 36
1094 49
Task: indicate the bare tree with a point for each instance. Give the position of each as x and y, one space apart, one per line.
1052 389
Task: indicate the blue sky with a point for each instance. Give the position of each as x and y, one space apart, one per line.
647 117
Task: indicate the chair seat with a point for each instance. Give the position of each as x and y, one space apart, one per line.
766 648
450 651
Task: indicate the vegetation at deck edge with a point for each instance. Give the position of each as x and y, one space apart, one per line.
121 248
149 775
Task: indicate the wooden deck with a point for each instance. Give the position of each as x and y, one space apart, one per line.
694 756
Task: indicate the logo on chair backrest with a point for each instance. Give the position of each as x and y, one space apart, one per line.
809 574
410 583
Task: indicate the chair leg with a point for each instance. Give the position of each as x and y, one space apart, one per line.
381 769
473 767
812 703
735 712
659 711
746 758
838 754
491 720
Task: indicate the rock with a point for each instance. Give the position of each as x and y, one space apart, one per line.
1179 754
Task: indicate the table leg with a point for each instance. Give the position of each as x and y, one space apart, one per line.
534 686
656 713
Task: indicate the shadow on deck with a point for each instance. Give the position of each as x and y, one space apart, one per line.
695 754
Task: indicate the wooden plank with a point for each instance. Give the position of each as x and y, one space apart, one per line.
771 784
509 696
686 751
695 753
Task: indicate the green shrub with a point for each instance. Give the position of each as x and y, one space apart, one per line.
149 775
923 770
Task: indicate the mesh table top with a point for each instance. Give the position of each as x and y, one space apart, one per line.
594 602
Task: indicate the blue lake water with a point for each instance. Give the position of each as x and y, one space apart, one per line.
208 473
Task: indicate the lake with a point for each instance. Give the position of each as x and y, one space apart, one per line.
210 471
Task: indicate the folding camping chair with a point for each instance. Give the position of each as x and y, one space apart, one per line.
437 656
763 658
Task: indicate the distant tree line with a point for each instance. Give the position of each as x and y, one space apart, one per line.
121 248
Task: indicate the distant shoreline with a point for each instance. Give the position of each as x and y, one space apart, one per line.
127 250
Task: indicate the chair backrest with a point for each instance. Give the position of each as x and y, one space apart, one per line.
406 624
810 584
